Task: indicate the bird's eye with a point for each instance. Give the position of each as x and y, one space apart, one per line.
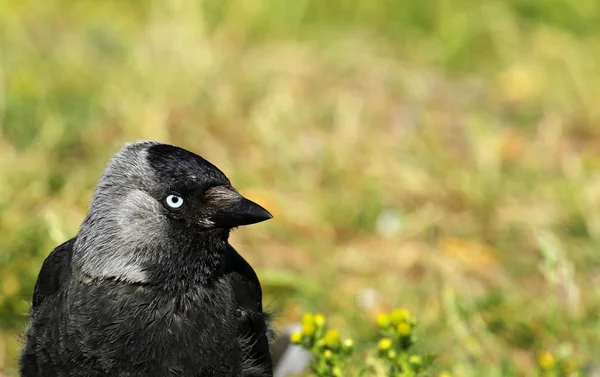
174 201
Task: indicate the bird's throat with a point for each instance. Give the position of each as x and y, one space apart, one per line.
196 265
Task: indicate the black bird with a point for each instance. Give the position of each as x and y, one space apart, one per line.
150 285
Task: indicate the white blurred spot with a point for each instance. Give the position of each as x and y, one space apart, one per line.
389 223
368 299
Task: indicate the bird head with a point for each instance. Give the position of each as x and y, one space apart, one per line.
157 201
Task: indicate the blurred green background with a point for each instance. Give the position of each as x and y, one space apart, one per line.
438 155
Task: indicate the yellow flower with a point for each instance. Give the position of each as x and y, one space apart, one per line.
546 360
415 359
383 320
384 344
336 371
399 315
391 354
319 320
296 337
308 329
403 329
444 374
308 319
327 354
332 338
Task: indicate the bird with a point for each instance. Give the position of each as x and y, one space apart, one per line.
150 285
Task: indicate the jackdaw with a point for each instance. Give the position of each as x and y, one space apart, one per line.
150 285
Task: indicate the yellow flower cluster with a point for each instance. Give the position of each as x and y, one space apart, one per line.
397 337
396 326
325 344
550 365
394 348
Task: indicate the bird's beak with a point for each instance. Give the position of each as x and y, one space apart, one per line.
233 209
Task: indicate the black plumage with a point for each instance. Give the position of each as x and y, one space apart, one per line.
150 285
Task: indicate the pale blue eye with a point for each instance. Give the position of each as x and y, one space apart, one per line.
174 201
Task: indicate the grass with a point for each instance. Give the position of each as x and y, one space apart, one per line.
440 156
